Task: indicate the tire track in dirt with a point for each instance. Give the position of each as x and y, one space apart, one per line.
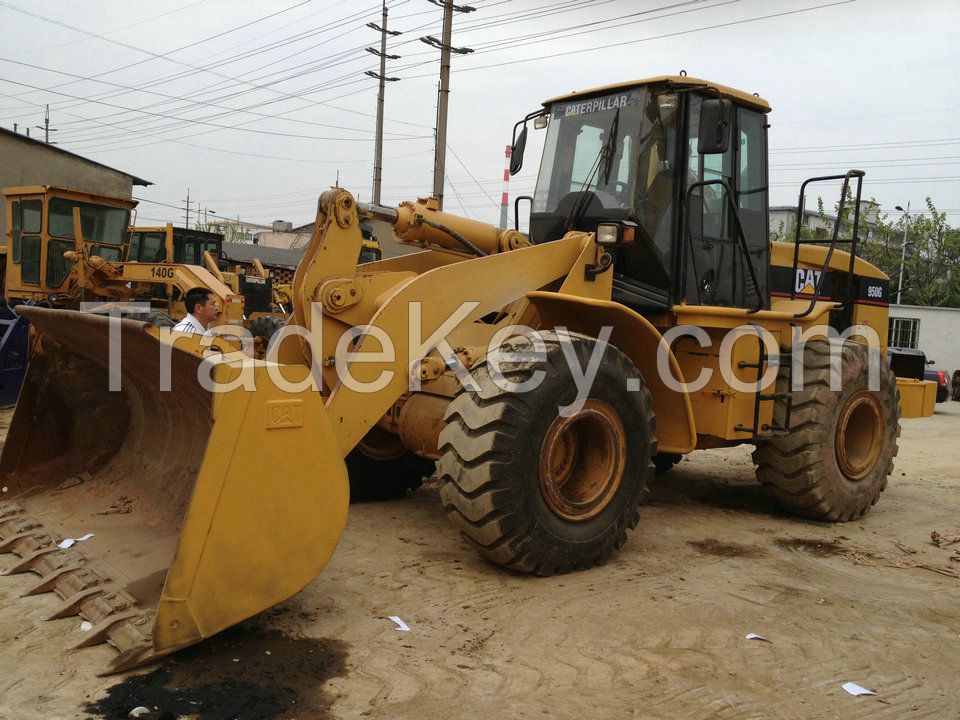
557 636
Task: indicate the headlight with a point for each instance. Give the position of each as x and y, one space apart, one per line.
608 233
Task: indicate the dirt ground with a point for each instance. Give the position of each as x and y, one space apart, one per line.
659 632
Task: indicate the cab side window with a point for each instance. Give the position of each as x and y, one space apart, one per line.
27 250
710 253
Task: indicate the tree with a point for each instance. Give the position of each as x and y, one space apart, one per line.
931 266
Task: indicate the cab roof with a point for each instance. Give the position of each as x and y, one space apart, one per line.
739 96
81 195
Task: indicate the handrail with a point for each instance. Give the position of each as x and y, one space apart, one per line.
859 174
688 238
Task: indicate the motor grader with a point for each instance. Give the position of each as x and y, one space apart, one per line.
266 304
541 372
67 247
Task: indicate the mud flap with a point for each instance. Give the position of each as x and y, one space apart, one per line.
205 507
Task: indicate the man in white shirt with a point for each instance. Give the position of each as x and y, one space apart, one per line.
201 307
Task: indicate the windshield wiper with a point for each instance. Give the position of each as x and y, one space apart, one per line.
610 147
604 158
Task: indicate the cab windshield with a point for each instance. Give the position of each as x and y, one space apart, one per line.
104 228
590 147
99 223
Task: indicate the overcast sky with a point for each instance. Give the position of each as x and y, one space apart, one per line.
256 105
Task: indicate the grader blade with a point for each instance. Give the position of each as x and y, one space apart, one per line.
201 508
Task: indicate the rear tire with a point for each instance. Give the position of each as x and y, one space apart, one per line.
536 492
835 461
380 468
263 329
664 462
266 326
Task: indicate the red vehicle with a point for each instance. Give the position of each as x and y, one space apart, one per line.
942 379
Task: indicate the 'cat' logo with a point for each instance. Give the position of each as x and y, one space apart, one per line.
806 281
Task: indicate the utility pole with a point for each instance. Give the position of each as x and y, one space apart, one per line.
187 201
440 153
382 77
46 126
903 247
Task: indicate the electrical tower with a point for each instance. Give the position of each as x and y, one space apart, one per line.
45 127
186 222
382 77
440 153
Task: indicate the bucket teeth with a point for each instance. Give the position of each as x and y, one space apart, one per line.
22 535
85 591
29 561
72 605
132 657
9 509
38 538
101 632
48 582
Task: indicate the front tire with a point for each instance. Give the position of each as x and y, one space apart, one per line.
154 318
537 492
835 461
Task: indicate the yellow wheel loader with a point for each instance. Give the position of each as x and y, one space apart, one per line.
644 315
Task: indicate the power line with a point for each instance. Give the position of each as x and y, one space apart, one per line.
605 47
215 125
326 27
865 146
125 27
152 55
195 102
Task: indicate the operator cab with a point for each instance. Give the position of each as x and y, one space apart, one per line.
42 229
149 245
635 152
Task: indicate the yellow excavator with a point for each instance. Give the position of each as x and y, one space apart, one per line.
644 315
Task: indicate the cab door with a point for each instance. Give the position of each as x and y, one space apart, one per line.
717 270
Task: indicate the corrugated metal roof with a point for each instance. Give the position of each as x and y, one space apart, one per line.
269 256
53 148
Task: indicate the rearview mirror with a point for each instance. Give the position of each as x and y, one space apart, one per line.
716 119
516 151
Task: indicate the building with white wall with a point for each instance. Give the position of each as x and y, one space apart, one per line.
783 221
934 330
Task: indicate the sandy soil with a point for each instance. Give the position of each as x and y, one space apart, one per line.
656 633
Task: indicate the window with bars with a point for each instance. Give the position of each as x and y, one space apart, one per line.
904 332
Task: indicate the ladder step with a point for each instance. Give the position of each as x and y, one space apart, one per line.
774 396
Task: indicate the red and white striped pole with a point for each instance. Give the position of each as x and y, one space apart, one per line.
505 197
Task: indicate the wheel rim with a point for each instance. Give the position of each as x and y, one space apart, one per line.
582 459
859 435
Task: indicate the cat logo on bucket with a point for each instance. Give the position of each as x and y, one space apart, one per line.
806 281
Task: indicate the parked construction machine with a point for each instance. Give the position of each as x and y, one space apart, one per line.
67 247
649 220
171 244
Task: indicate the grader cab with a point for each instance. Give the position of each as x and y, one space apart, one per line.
68 247
644 316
